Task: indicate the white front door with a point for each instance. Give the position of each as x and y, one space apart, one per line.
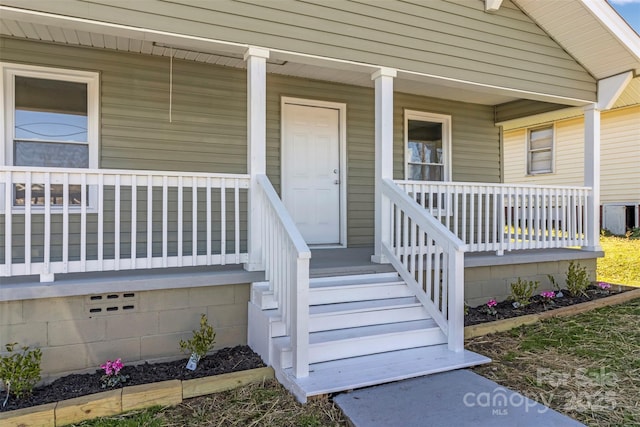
311 171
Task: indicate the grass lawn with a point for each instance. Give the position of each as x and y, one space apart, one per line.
258 405
621 263
586 366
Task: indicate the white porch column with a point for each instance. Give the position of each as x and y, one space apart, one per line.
592 174
383 156
256 148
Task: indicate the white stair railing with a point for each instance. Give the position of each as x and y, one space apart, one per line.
430 259
57 220
286 259
503 217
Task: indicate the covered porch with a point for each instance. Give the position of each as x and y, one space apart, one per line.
58 222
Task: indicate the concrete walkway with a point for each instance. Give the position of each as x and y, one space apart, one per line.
456 398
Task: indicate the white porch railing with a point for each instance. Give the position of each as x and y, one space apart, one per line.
504 217
286 259
78 220
430 259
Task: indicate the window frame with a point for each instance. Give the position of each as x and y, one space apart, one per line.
529 150
445 121
8 72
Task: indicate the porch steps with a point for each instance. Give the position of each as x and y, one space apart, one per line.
353 320
375 369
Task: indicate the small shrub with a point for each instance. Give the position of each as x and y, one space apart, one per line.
634 233
577 279
522 291
555 285
202 341
19 371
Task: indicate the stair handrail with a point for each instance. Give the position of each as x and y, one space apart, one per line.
286 256
419 246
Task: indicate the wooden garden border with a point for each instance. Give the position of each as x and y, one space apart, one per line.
114 402
507 324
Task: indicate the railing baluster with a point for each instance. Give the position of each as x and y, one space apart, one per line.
27 222
47 224
464 193
209 245
8 222
194 221
223 221
165 220
149 221
134 219
100 208
116 228
83 221
180 220
65 223
236 199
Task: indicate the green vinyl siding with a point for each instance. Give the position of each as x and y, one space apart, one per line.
207 132
453 39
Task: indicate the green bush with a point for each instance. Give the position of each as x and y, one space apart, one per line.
577 279
19 371
522 291
202 341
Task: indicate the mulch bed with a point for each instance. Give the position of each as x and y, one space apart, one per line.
505 309
223 361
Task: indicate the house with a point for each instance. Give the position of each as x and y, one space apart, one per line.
324 180
619 172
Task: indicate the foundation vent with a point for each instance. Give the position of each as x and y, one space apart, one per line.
111 303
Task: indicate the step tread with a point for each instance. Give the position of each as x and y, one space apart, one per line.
365 305
360 279
323 337
369 370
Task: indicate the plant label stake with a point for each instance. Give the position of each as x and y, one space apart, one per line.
192 364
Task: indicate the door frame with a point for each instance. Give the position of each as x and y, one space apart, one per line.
342 152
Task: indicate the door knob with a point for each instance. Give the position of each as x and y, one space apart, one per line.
337 181
335 171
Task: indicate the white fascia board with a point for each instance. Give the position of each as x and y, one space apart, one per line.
492 5
610 89
617 26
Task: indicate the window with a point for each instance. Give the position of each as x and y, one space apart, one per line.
540 150
51 120
427 146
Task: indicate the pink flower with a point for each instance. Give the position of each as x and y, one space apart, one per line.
112 368
492 303
548 294
604 285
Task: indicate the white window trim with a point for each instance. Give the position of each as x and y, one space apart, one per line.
8 71
445 120
527 146
7 91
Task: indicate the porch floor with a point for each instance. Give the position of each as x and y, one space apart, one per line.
324 262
